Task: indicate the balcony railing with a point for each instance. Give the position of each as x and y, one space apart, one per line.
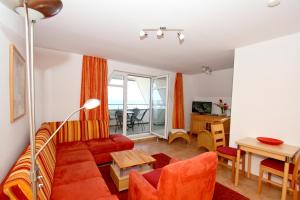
129 106
112 108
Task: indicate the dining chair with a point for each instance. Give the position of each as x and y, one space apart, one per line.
223 151
276 167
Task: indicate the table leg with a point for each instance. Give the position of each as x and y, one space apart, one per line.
285 180
249 165
237 169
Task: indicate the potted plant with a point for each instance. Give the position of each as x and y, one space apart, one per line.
223 106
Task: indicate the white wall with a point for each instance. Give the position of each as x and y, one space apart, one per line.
14 136
266 91
62 79
203 87
59 92
60 88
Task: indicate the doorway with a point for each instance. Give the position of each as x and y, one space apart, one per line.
138 104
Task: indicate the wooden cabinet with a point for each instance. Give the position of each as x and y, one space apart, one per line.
201 124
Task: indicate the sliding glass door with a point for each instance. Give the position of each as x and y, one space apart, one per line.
159 106
138 104
129 100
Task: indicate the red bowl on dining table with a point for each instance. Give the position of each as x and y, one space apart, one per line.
271 141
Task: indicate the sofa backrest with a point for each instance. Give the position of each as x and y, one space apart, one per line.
189 179
18 183
77 130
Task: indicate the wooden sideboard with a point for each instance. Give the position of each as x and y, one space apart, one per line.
200 125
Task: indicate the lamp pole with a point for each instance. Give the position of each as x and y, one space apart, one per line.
30 96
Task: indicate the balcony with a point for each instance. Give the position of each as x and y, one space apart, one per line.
138 118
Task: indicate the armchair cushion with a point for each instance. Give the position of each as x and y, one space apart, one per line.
229 151
191 179
153 177
140 188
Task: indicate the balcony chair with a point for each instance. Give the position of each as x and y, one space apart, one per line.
223 151
191 179
276 167
132 118
140 120
119 120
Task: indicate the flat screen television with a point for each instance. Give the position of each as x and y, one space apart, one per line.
202 107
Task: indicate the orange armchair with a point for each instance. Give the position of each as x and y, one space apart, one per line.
191 179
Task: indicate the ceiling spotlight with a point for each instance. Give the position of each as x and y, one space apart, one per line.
273 3
159 33
143 34
180 36
206 70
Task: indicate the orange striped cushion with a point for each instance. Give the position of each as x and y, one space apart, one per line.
95 129
70 132
19 178
74 131
18 183
47 180
47 158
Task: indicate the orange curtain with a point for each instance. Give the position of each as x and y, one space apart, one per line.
94 85
178 111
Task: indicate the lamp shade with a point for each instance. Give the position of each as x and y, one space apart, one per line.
39 9
91 104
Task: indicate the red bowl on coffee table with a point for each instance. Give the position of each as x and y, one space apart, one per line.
271 141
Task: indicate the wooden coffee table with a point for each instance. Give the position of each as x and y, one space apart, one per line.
126 161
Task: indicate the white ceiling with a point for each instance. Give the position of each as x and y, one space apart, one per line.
10 3
212 29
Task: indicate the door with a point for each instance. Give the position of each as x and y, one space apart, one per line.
159 106
129 104
138 104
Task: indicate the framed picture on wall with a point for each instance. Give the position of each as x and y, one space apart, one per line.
17 84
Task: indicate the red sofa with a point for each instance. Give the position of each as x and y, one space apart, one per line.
68 164
191 179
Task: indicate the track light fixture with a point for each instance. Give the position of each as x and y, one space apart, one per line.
160 33
207 70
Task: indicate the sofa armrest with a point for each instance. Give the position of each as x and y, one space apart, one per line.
140 188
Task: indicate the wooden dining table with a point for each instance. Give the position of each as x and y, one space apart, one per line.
283 152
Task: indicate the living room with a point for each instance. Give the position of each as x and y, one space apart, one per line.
238 60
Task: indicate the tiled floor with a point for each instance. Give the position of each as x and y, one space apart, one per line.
179 149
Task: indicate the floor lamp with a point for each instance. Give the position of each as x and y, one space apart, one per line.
34 10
